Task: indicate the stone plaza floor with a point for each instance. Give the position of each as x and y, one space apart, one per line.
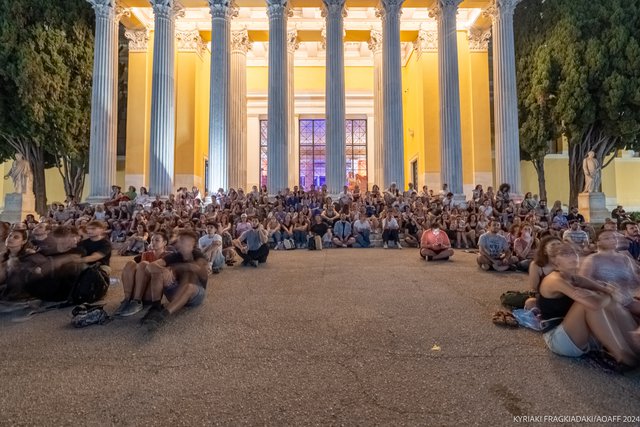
333 337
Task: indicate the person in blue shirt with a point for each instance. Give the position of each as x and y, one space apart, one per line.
342 232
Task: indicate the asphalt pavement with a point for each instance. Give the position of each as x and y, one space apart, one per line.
332 337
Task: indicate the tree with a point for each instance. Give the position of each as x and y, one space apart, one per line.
581 62
46 49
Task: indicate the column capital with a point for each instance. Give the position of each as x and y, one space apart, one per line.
138 40
189 41
427 41
441 7
109 9
499 8
293 43
240 41
167 8
333 8
375 40
277 8
478 39
223 9
389 7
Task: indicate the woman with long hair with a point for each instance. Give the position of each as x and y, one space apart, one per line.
579 314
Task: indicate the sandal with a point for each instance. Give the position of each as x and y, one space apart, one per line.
504 319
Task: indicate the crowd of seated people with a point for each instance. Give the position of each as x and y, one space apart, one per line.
176 242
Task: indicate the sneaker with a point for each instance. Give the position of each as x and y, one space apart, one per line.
254 263
155 317
123 305
215 270
485 267
245 263
398 245
429 258
132 308
385 246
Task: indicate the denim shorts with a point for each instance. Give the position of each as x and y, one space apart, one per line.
560 343
195 300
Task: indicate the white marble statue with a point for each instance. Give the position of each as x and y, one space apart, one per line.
21 175
591 168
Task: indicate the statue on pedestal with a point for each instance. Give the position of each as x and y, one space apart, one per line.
591 169
21 175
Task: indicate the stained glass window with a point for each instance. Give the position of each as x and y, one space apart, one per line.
356 152
313 152
263 152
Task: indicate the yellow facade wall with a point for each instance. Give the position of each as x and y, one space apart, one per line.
184 165
139 115
312 79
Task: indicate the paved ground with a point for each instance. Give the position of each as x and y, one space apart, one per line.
338 337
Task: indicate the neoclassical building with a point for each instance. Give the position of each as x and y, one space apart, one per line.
307 92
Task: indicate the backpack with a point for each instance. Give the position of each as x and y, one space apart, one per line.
515 299
86 315
91 286
315 243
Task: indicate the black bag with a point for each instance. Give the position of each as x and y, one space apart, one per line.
515 299
91 286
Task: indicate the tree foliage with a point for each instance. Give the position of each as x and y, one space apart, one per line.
46 52
579 74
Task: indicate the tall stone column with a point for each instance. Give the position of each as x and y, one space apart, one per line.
392 124
334 12
278 126
237 160
292 46
445 12
104 101
505 97
375 45
221 12
163 108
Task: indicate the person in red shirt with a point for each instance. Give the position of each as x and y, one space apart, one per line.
435 244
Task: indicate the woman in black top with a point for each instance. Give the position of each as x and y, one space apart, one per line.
576 310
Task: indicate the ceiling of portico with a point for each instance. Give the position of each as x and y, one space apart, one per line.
309 23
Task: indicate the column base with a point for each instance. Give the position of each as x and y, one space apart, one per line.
97 200
17 206
593 206
460 201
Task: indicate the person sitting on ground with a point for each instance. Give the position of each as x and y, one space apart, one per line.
411 230
577 237
390 230
435 244
19 265
620 215
578 313
362 230
525 247
96 247
633 237
494 250
242 226
618 270
211 246
300 231
540 267
136 243
318 229
135 277
252 246
342 233
182 278
41 240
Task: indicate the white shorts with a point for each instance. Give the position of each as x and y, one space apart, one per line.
560 343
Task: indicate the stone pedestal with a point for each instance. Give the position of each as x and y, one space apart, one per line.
17 206
593 207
